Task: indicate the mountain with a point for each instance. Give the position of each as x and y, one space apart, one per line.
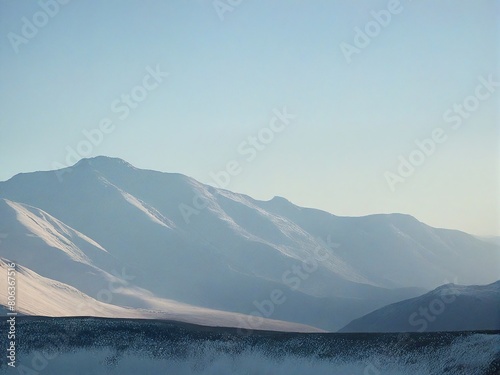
41 296
43 245
209 247
491 239
397 250
448 308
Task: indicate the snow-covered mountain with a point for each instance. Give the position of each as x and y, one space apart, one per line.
196 244
448 308
37 295
44 245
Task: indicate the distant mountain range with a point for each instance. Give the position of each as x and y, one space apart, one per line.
163 240
447 308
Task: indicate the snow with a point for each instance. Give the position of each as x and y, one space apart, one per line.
41 296
449 307
105 216
103 346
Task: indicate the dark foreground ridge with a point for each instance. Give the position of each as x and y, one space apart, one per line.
118 340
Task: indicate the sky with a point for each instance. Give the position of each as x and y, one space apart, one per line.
354 107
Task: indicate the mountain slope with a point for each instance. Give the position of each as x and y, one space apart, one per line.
47 246
396 250
447 308
210 247
172 211
44 244
37 295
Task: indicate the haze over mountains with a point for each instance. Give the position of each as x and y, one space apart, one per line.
189 243
37 295
447 308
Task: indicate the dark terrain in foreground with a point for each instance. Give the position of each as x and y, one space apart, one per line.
123 346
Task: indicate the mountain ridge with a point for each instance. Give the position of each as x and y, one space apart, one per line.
236 250
449 307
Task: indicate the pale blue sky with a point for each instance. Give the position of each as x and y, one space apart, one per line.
226 77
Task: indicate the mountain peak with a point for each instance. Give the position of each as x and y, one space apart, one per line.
277 198
102 161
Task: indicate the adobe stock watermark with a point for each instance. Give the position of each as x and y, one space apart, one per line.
32 25
12 312
455 117
57 341
105 295
376 363
292 279
363 37
421 318
371 369
248 149
55 344
221 7
121 108
428 314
